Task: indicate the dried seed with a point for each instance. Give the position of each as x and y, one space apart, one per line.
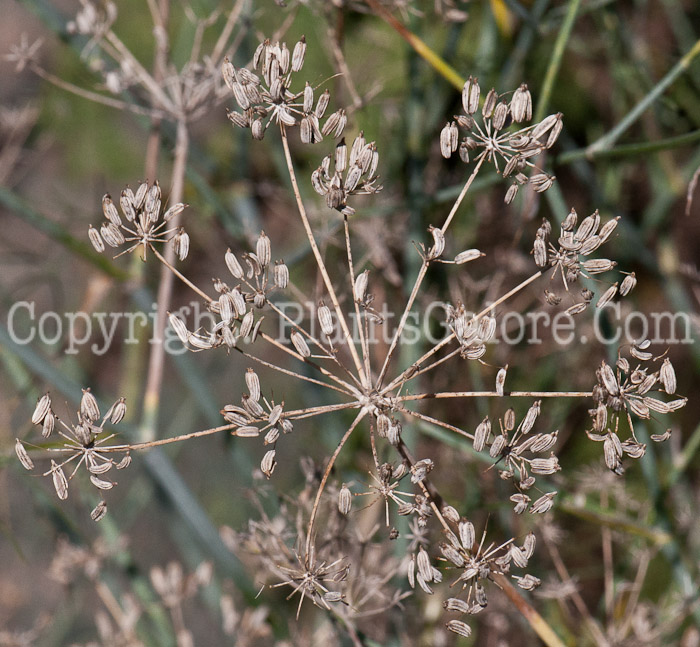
99 511
344 500
481 435
501 380
181 244
300 344
253 383
298 55
521 104
467 534
668 377
268 463
178 325
628 284
325 318
247 431
95 239
470 96
101 484
60 483
467 255
360 287
607 296
263 250
543 504
117 411
489 104
43 405
23 456
460 628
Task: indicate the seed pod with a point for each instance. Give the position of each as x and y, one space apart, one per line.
268 463
540 252
99 511
438 243
173 211
23 456
501 380
449 139
48 425
263 250
521 104
181 244
111 234
628 284
95 239
42 408
60 483
543 504
253 383
300 344
360 287
110 210
467 535
608 228
247 431
281 275
344 500
298 55
470 96
530 417
481 436
458 627
88 406
325 318
467 255
489 104
668 376
500 116
178 325
607 296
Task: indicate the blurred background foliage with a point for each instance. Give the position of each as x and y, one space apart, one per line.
595 61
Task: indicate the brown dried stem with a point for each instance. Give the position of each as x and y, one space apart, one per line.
421 275
319 259
325 476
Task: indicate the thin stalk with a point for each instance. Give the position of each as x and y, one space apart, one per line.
326 372
319 259
403 376
556 58
606 141
94 96
493 394
438 423
579 603
630 150
325 476
181 276
156 361
296 375
422 273
534 619
351 268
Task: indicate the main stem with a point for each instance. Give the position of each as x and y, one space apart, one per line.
156 360
319 260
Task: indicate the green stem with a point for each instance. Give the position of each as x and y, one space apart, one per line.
606 141
555 61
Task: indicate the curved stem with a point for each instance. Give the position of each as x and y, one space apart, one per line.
326 474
